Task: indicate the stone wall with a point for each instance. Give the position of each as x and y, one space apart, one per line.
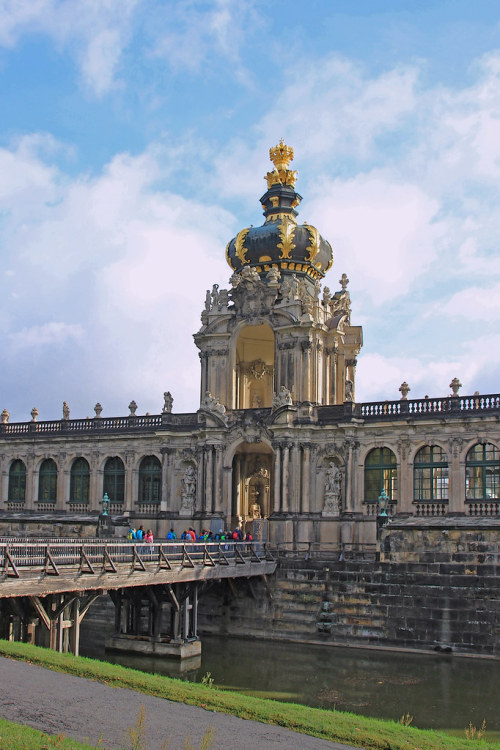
444 596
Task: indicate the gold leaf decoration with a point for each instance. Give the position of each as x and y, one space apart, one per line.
239 244
313 248
286 231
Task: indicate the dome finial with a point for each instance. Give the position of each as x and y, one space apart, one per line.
281 156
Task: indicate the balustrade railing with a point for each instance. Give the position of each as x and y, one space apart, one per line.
36 553
375 410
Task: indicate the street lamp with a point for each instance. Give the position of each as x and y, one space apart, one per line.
105 504
382 507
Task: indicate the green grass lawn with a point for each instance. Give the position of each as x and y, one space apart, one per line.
333 725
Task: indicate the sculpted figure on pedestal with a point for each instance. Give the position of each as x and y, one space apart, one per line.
188 490
282 398
333 491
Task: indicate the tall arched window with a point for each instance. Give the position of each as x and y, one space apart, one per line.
380 473
79 486
482 473
430 474
17 482
114 479
150 480
47 482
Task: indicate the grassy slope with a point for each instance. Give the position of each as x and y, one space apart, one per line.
332 725
14 737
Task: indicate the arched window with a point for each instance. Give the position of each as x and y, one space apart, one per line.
150 480
17 482
114 479
430 474
47 482
482 473
79 485
380 473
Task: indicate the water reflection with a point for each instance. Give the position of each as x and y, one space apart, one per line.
440 692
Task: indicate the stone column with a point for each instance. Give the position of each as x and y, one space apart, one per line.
405 479
295 480
277 478
209 475
306 371
349 474
285 494
128 500
96 484
217 504
165 478
29 498
456 477
237 487
305 497
200 481
63 482
4 484
227 490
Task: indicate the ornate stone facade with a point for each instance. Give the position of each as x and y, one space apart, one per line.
279 435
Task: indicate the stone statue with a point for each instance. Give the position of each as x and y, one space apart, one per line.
223 299
333 491
210 403
327 296
404 389
133 408
167 402
188 490
34 414
5 416
98 409
273 276
208 299
65 410
348 390
282 398
215 296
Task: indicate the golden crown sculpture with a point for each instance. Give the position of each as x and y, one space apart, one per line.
281 155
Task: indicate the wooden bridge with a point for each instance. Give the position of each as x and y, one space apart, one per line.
48 585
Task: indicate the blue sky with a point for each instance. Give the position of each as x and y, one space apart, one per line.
134 139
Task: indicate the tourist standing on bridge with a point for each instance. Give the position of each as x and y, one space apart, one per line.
148 537
171 535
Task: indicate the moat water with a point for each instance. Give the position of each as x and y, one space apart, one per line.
440 692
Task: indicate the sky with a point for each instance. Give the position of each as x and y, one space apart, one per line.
134 138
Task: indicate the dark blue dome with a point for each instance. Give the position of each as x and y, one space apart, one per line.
281 242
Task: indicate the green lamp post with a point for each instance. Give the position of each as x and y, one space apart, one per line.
382 506
105 504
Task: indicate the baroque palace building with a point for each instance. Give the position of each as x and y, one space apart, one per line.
279 445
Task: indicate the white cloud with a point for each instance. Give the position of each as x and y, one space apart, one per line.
48 333
385 232
124 264
95 32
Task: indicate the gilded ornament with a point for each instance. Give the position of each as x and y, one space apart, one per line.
313 248
286 232
240 248
281 155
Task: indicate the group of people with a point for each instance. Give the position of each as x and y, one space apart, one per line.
190 535
140 534
205 535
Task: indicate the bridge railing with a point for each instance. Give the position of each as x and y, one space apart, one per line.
53 554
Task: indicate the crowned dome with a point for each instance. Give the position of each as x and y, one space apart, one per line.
281 242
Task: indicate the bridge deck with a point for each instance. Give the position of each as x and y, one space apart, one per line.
41 567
